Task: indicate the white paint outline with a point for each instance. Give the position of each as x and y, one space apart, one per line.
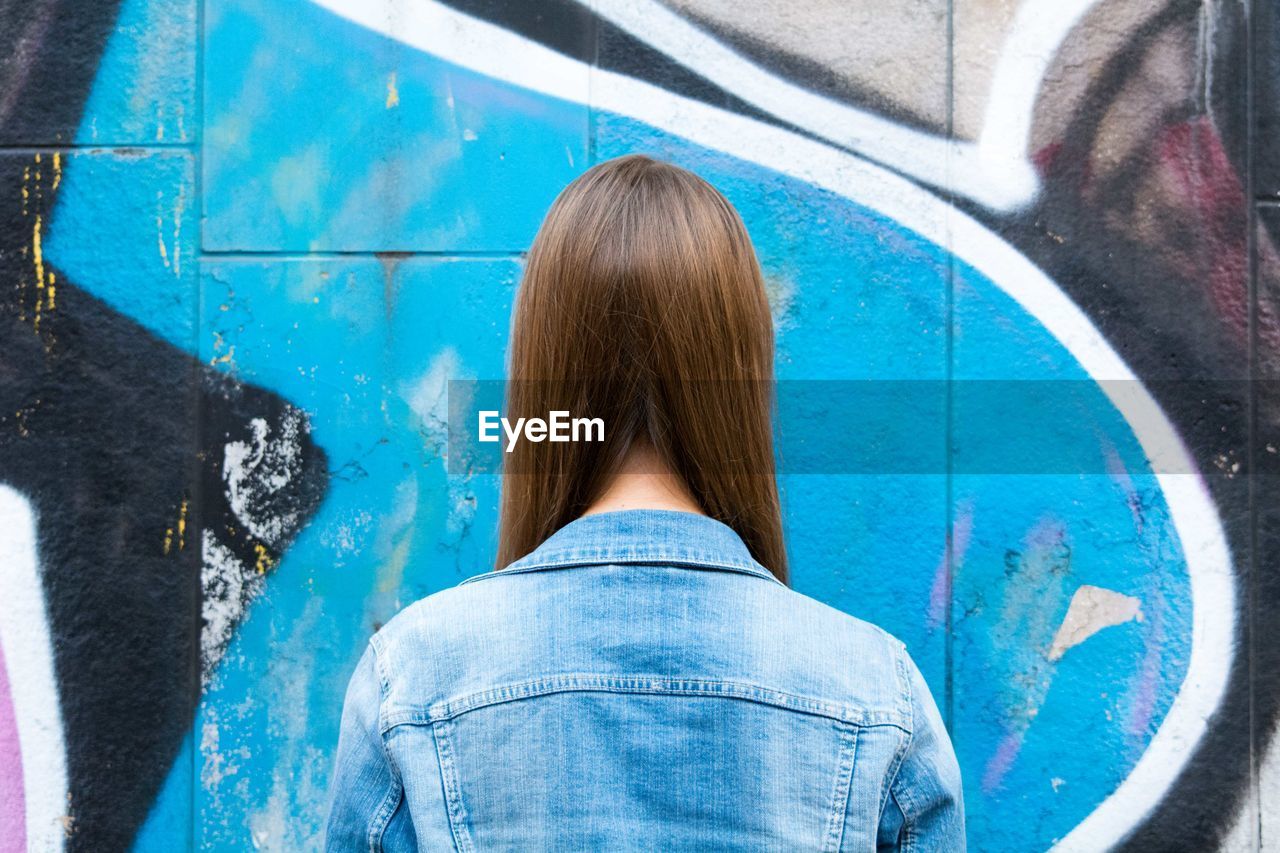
995 171
28 654
491 50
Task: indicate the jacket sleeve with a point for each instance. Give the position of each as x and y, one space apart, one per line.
925 807
366 810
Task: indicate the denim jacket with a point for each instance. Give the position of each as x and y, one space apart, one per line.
639 682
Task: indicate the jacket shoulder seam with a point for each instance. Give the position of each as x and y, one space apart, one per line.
904 678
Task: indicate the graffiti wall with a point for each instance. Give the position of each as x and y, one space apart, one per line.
245 245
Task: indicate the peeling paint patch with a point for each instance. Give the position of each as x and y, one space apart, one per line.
781 293
395 538
164 252
346 537
179 202
215 766
228 586
393 94
1093 608
462 508
292 816
259 469
428 398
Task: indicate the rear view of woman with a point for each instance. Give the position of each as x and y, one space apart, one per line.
636 674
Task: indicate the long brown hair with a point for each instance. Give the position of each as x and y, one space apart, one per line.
642 303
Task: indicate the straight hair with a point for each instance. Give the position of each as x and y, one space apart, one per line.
642 302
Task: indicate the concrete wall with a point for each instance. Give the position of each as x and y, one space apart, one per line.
245 243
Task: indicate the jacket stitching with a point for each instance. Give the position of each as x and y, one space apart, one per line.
844 783
453 794
901 796
657 685
904 679
646 551
891 776
906 833
382 817
391 800
384 687
615 558
395 798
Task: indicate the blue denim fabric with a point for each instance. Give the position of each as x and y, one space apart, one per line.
639 682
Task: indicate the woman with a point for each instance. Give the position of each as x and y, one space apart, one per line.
635 673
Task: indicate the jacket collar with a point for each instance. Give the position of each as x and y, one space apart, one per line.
655 536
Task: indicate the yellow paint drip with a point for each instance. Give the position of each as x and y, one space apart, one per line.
38 254
45 279
225 357
182 527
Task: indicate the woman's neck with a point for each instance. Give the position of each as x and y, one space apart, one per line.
645 482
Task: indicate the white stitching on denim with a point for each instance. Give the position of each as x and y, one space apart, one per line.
391 801
902 796
645 684
617 559
891 775
456 811
844 784
905 833
905 678
653 684
382 817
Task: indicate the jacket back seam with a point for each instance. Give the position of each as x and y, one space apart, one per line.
652 685
615 559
